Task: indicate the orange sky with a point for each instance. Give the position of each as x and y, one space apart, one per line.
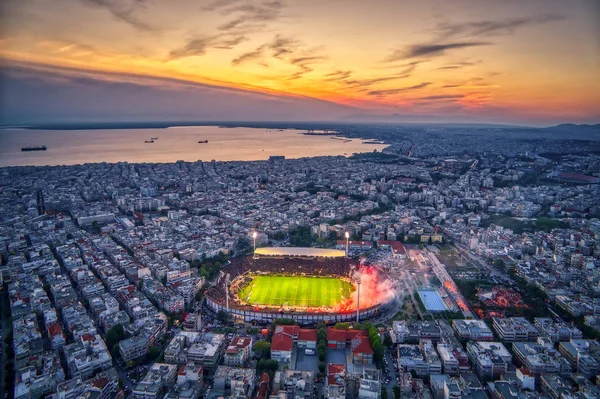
517 61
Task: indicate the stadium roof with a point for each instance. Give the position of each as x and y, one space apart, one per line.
300 251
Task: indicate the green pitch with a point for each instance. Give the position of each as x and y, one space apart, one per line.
295 291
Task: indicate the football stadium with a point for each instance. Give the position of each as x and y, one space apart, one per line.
306 284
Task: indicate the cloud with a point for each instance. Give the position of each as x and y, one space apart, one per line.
363 83
199 45
386 92
337 75
124 11
304 64
218 4
249 13
442 97
455 36
459 65
249 56
41 93
285 49
283 45
430 50
492 28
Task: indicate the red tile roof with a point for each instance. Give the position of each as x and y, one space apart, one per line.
306 334
290 330
240 342
362 345
336 335
332 371
54 330
88 337
282 342
100 382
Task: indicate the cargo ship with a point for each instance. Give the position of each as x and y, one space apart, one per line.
38 148
202 141
149 141
154 138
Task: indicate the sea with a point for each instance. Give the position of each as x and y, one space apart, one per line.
71 147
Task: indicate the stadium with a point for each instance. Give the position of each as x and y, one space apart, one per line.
305 284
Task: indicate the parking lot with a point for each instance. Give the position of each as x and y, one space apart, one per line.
306 362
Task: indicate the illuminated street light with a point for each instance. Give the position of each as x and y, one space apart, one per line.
347 238
254 234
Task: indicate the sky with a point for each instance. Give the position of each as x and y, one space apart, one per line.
533 62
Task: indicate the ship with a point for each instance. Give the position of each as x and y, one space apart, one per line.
149 141
154 138
38 148
202 141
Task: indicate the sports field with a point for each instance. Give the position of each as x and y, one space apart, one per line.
295 291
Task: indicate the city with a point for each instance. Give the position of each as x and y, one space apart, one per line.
489 261
299 199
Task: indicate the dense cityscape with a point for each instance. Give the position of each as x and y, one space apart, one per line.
482 256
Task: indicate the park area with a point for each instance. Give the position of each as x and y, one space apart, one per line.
295 291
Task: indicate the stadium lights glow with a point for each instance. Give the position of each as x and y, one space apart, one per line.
347 237
254 234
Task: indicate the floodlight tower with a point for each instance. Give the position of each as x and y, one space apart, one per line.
347 235
254 234
357 298
227 291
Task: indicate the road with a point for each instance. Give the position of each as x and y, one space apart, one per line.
392 373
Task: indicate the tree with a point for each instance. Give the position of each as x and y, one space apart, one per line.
322 356
384 394
262 349
397 392
154 352
115 335
223 317
265 365
321 367
284 322
342 326
499 264
387 340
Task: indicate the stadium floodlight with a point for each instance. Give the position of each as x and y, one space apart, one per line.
347 238
254 234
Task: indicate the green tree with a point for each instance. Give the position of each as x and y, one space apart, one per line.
223 317
321 367
397 392
115 335
262 349
322 356
284 322
154 352
387 340
265 365
384 394
342 326
499 264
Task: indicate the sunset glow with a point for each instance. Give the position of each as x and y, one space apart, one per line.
532 62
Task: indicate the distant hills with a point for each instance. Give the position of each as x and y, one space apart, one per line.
454 121
355 119
564 127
